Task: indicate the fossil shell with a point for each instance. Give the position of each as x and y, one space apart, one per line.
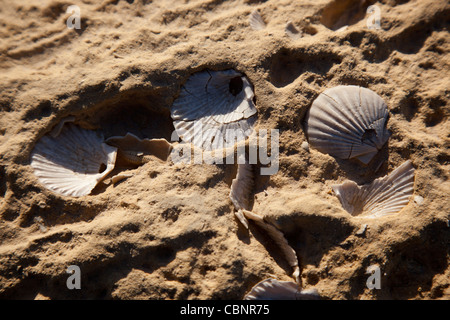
215 109
57 129
272 289
72 162
138 151
292 31
279 239
384 196
348 122
241 189
240 194
256 21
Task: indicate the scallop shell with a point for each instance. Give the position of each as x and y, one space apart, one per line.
240 193
73 162
215 109
384 196
256 21
279 239
57 129
272 289
241 189
348 122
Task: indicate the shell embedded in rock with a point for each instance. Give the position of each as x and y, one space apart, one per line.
292 31
240 195
348 122
241 186
279 239
384 196
73 162
272 289
138 151
57 129
215 109
241 189
256 21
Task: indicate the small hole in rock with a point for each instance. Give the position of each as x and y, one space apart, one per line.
368 135
102 168
236 86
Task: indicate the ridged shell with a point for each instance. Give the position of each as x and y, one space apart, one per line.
213 108
57 129
70 162
272 289
256 21
348 122
241 187
384 196
240 195
279 239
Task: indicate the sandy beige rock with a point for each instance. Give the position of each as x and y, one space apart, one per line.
168 231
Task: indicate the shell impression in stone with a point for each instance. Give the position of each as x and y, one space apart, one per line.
215 109
240 194
348 122
272 289
73 162
241 187
292 31
256 21
384 196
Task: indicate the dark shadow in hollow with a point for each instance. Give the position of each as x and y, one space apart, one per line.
99 276
288 64
340 13
312 236
411 266
362 174
139 112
